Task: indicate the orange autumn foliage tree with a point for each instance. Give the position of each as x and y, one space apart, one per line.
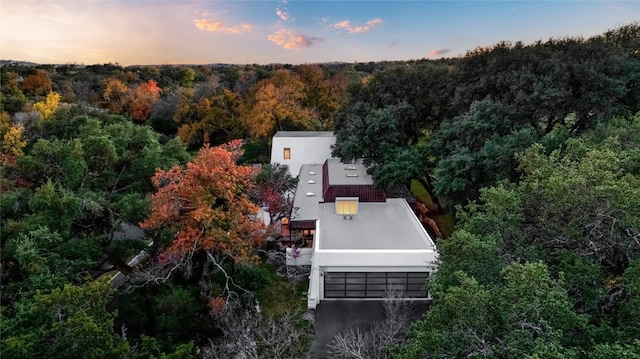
207 206
38 83
143 98
117 96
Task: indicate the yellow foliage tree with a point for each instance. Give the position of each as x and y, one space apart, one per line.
278 106
48 106
13 140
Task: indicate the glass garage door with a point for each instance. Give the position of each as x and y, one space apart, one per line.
373 284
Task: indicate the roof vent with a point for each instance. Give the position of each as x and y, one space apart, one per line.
352 168
309 194
311 182
312 173
352 175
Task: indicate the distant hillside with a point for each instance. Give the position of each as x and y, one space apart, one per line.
17 63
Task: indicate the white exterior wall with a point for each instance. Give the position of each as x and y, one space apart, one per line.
304 150
375 258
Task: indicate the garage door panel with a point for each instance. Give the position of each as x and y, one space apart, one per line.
334 287
416 280
377 280
362 280
397 280
355 294
356 274
376 274
373 284
356 287
396 274
373 287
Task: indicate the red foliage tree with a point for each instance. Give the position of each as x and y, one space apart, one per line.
207 206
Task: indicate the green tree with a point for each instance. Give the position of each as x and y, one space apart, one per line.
12 99
477 149
527 313
188 75
55 207
62 205
572 219
69 322
59 160
629 313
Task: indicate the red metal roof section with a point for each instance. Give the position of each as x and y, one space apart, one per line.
365 193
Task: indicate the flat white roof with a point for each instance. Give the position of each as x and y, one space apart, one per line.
347 173
389 225
305 205
304 134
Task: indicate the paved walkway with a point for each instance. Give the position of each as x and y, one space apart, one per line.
335 316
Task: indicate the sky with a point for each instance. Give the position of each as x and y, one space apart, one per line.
156 32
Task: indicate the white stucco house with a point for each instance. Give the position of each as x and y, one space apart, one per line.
356 241
297 148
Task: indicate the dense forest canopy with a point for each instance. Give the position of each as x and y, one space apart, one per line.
534 147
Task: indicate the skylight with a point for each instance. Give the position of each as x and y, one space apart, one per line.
352 175
346 206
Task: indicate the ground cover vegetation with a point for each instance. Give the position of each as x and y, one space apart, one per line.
535 148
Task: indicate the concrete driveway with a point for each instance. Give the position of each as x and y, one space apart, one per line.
335 316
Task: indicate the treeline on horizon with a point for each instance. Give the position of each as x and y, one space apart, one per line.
535 147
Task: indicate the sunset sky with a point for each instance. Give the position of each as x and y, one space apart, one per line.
246 32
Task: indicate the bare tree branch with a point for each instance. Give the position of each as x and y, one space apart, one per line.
374 344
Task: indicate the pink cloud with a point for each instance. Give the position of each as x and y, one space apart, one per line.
355 29
438 52
283 15
218 26
293 41
282 11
